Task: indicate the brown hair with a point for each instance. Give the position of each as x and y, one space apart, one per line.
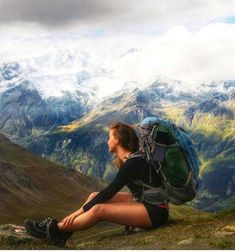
127 137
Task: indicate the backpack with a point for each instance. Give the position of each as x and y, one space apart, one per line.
170 151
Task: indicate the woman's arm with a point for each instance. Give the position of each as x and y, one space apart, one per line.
122 178
70 218
120 197
125 174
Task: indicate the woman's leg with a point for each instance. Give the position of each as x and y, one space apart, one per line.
120 197
130 214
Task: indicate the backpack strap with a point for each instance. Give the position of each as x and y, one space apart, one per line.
144 156
141 183
160 152
149 187
137 154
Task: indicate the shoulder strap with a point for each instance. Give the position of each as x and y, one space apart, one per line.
137 154
141 183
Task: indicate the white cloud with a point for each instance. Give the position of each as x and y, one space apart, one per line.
206 54
198 55
110 16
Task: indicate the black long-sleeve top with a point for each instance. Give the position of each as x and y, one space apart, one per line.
135 168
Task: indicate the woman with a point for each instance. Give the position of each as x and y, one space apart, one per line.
110 204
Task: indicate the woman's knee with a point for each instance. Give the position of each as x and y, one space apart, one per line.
98 211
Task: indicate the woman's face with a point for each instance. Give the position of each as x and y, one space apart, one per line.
112 142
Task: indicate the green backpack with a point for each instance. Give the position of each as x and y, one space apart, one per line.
170 151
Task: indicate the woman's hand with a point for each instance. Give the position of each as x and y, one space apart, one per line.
67 221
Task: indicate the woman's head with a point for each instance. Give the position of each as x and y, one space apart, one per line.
124 136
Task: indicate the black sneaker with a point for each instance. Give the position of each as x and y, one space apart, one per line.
55 236
47 230
34 229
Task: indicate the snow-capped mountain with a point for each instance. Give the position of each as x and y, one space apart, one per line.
58 85
52 75
31 104
100 70
83 93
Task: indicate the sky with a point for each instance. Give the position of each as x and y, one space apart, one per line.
110 16
191 40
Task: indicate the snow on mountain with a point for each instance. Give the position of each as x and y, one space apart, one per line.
51 73
97 72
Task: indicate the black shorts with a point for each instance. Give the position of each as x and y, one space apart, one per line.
158 215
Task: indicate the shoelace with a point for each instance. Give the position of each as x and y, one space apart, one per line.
47 222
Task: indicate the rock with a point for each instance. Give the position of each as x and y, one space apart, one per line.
230 230
16 237
13 235
226 231
186 242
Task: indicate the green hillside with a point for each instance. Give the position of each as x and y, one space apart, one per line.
214 139
33 187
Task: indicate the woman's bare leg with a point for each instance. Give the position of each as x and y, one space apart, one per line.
131 214
120 197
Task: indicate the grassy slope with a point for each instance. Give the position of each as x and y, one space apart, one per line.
33 187
187 229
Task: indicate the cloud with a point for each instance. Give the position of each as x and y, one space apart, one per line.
197 56
111 15
54 12
194 56
181 39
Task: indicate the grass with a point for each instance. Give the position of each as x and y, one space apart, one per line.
226 213
222 244
186 229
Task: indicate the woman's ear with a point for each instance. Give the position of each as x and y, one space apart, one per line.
117 141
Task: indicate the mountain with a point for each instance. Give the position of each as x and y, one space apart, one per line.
37 188
53 87
67 123
213 123
208 116
83 143
57 85
26 112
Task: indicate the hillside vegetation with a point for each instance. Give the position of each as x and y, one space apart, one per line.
34 187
